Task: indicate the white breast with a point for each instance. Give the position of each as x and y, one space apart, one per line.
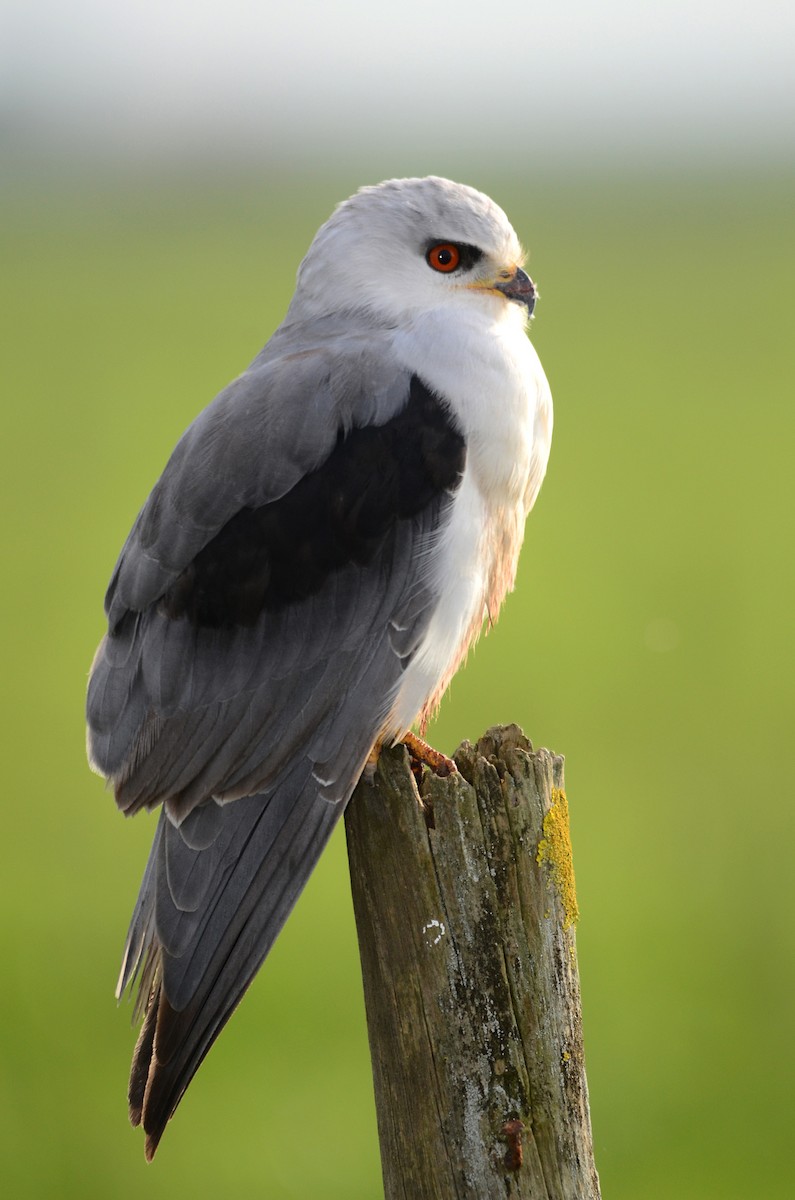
487 370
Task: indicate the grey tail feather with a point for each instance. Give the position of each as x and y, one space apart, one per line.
140 957
142 1057
274 849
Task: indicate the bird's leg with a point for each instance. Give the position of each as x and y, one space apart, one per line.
421 753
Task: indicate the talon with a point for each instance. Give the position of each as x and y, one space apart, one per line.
421 753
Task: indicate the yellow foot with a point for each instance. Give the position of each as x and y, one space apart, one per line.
421 753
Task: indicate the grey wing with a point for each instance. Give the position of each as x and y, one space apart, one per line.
250 663
274 424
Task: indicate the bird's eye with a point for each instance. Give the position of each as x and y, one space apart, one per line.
444 257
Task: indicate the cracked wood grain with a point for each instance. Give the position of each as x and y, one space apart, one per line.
465 911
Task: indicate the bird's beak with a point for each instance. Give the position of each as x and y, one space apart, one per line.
513 284
519 287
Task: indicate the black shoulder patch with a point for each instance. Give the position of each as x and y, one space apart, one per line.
269 557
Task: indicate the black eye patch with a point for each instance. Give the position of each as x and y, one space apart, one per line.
467 255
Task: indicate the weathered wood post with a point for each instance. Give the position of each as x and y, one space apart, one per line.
465 909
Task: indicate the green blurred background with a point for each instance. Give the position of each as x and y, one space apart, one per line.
650 640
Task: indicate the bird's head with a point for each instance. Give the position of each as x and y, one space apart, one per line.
409 246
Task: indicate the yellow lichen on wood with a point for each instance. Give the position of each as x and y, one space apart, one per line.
555 849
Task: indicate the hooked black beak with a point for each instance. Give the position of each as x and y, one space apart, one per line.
520 288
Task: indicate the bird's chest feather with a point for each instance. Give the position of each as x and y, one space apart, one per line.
486 370
489 374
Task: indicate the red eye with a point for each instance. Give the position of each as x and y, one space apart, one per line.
445 257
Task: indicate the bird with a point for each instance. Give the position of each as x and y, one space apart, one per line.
327 540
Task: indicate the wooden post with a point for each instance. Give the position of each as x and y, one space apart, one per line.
465 910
